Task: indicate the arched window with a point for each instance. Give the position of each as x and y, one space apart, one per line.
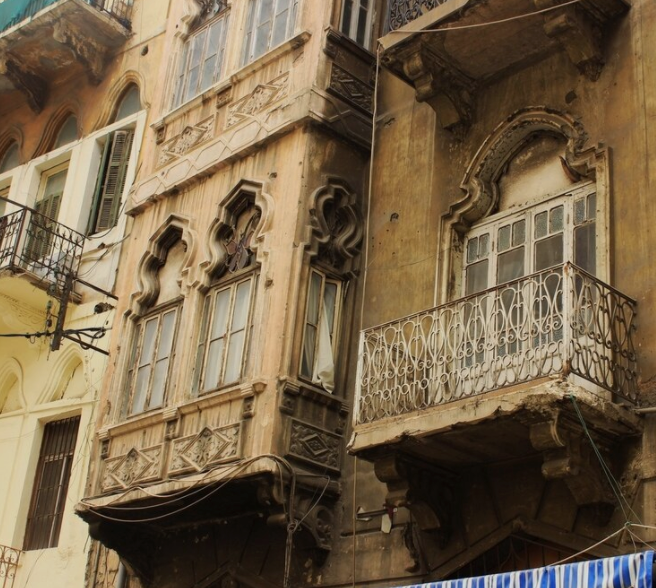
10 158
129 103
67 132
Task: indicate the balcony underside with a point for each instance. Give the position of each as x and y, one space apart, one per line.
66 39
447 68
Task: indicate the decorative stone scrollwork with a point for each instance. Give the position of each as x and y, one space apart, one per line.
336 223
314 445
260 98
137 465
234 238
568 456
185 141
208 447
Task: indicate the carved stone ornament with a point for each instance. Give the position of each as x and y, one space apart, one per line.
336 222
258 100
190 137
568 456
136 466
314 445
209 447
346 86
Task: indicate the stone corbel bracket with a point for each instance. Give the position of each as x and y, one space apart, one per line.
579 29
427 494
568 455
439 83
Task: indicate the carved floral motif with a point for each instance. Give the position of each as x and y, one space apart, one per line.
137 465
206 448
259 99
186 140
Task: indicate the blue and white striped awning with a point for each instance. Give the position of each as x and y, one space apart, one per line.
626 571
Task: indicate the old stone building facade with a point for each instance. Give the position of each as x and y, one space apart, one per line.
374 278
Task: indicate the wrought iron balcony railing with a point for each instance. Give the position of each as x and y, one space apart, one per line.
558 321
401 12
30 241
13 12
9 557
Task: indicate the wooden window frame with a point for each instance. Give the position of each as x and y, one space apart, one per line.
206 327
308 364
182 91
136 353
257 28
351 28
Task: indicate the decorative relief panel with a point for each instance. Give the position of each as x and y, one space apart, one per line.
137 465
259 99
186 140
209 447
355 91
317 446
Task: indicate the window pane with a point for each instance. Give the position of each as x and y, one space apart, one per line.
313 299
346 17
140 389
556 219
504 238
214 365
540 225
280 23
159 383
592 206
329 305
510 265
233 362
361 36
548 252
472 250
579 211
242 299
518 233
193 73
166 335
263 28
200 354
585 248
308 350
148 345
476 277
221 308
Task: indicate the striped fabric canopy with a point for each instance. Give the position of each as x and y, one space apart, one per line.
626 571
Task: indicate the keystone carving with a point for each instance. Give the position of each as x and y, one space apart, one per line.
31 85
86 52
440 84
569 456
427 494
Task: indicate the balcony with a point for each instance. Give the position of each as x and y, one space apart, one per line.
449 69
36 250
44 40
9 557
533 367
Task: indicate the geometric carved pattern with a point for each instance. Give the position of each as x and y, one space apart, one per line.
188 138
259 99
317 446
137 465
209 447
350 88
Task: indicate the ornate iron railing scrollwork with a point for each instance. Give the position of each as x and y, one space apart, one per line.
401 12
558 321
9 557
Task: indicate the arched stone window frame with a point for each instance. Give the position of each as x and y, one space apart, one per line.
144 308
331 257
481 190
54 126
12 138
229 289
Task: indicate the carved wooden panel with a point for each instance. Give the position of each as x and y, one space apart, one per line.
314 445
190 136
260 98
208 447
136 466
345 85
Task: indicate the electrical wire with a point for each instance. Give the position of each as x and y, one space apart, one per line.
485 24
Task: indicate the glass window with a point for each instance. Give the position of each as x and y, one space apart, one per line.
225 330
10 158
67 133
269 23
53 473
319 337
201 60
150 360
129 103
356 21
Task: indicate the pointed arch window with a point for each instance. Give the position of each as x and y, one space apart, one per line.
129 103
67 132
10 158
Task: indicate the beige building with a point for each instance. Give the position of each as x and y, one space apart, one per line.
73 92
341 354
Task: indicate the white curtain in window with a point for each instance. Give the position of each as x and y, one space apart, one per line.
324 365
